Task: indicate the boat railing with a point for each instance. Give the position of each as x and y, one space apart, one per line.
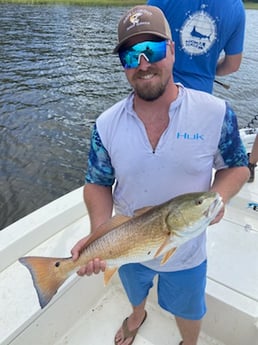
29 232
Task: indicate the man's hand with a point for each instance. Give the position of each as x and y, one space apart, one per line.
219 216
92 267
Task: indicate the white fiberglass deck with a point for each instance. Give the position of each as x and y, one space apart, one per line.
233 245
105 318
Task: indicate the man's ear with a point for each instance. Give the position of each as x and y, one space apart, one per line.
172 47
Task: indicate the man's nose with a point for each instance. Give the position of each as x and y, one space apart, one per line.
143 61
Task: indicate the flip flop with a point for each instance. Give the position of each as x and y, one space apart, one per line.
130 334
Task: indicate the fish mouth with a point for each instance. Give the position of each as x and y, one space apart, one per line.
215 207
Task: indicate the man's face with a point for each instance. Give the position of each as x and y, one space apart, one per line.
149 80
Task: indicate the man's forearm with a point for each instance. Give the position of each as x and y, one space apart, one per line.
228 182
228 64
99 203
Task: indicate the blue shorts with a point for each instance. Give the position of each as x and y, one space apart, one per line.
181 293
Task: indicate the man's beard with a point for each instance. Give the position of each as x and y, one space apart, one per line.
150 92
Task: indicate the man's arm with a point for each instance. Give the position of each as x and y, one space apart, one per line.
228 64
228 182
99 202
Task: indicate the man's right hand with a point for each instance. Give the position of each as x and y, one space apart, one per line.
92 267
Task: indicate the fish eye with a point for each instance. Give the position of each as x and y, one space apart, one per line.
57 264
198 201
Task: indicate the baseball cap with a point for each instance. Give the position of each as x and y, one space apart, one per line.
142 20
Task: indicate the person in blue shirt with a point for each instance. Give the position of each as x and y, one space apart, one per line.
203 30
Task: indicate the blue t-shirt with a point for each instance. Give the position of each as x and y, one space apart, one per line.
201 30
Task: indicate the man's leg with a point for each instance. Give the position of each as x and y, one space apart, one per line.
189 330
133 322
182 293
137 280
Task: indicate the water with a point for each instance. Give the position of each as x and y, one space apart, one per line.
243 92
57 74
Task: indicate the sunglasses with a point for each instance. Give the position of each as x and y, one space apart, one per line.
150 50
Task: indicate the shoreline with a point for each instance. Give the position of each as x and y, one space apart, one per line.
248 5
76 2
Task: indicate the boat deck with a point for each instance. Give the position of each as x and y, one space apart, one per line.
82 312
86 312
159 327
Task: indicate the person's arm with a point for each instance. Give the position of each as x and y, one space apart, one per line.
228 64
99 202
230 161
97 196
228 182
253 158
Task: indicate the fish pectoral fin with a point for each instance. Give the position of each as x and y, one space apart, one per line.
162 247
167 255
108 274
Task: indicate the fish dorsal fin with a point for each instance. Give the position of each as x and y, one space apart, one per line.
106 227
167 255
142 210
108 274
163 245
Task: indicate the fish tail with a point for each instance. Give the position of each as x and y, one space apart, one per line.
48 274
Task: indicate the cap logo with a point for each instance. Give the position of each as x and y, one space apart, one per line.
135 19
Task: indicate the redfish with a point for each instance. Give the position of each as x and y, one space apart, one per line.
152 232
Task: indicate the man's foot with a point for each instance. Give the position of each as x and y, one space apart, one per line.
124 334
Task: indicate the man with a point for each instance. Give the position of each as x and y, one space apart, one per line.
202 30
161 141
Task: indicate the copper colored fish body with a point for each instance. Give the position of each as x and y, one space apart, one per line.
152 232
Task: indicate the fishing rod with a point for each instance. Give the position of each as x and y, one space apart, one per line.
226 86
251 123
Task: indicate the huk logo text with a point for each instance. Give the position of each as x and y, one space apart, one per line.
187 136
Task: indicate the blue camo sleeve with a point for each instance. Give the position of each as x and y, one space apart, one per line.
231 146
99 169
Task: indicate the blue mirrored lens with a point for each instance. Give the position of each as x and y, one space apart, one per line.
152 52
